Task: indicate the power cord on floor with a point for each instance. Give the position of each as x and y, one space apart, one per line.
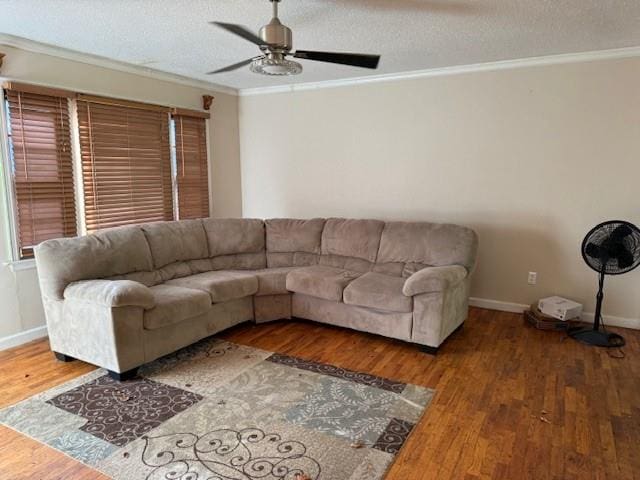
615 352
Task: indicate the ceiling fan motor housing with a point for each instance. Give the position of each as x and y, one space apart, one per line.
276 36
278 41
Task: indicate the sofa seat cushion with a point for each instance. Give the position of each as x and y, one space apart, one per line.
221 285
320 281
175 304
379 291
271 281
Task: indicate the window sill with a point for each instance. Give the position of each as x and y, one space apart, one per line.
20 265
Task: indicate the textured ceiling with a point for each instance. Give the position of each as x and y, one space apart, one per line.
174 36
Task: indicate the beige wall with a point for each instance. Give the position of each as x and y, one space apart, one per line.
19 293
531 158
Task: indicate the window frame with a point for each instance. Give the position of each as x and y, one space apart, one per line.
173 156
12 255
174 159
76 159
7 173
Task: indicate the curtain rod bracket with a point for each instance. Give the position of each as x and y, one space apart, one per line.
207 100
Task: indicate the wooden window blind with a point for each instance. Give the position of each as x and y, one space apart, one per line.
192 174
126 164
42 168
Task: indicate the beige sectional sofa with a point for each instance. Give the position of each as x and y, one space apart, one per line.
125 296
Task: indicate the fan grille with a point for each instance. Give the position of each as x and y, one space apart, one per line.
612 247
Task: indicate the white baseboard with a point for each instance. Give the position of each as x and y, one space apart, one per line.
609 320
498 305
23 337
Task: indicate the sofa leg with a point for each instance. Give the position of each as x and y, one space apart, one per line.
123 376
61 357
434 350
428 349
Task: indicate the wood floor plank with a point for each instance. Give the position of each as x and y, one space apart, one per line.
511 402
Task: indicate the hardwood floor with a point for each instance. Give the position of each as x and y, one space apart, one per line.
512 402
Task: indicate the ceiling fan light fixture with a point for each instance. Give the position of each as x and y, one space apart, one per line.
275 41
275 66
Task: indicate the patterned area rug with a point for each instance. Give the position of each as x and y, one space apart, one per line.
220 411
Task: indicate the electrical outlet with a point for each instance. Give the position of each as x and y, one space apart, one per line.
532 279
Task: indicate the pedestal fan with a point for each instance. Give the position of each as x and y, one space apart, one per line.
611 248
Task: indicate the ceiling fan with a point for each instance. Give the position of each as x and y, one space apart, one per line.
275 42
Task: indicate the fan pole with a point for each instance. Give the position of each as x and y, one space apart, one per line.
599 298
594 336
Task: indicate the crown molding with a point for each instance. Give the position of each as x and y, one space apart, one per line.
617 53
38 47
96 60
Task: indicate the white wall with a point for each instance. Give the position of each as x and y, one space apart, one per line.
20 306
531 158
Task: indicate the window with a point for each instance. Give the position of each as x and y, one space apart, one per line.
126 166
41 168
112 157
191 167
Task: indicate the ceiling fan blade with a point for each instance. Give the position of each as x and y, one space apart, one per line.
230 68
354 59
241 31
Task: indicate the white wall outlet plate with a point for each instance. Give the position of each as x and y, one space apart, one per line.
532 279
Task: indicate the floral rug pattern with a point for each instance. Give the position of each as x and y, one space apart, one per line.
221 411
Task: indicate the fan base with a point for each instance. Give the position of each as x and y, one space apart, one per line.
598 338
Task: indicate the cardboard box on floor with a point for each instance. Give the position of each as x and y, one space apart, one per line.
545 322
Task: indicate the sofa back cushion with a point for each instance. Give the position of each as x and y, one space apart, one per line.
353 264
110 252
177 241
293 242
221 244
228 236
235 243
168 272
352 238
419 244
351 244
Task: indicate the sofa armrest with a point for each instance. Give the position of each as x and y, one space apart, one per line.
434 279
111 293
